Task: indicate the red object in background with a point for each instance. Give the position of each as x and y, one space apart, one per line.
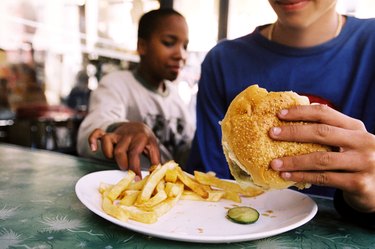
320 100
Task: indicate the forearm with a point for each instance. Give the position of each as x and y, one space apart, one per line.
106 109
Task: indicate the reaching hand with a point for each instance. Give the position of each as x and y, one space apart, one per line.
351 168
126 144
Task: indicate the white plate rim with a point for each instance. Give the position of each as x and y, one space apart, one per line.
149 230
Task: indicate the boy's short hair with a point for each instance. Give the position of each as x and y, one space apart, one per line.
150 20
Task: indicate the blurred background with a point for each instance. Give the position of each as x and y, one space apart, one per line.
53 53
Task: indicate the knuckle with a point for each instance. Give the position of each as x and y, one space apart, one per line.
323 159
293 130
292 162
321 179
358 124
362 184
105 138
300 177
117 152
367 156
134 152
370 160
322 108
368 139
96 131
145 128
299 108
323 130
108 138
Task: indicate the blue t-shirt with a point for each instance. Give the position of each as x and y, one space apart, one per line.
340 72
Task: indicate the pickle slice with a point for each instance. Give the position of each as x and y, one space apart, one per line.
243 215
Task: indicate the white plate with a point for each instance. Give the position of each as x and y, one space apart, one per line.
196 221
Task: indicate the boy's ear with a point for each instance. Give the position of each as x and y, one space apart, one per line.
141 46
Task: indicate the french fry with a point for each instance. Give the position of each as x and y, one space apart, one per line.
213 195
192 184
211 180
172 189
103 187
139 184
156 199
153 167
153 180
114 210
233 196
129 197
157 193
191 196
163 207
140 215
117 189
160 186
171 175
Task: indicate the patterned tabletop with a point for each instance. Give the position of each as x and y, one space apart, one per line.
39 209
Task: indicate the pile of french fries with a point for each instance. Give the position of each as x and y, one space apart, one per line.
153 196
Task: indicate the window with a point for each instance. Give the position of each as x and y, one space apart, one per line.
202 18
245 15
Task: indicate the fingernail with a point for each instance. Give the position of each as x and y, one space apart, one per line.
277 164
137 178
93 147
276 131
286 175
283 112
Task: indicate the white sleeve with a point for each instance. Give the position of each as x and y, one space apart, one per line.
107 106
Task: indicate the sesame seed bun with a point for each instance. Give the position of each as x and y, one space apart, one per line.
246 144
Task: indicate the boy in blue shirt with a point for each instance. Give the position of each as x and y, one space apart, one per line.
314 51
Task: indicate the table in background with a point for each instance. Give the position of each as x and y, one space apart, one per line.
39 209
49 127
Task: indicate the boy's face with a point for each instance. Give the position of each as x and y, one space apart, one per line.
164 54
302 13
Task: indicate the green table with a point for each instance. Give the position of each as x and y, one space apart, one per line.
39 209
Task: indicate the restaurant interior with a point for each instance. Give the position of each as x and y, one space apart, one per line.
48 48
54 53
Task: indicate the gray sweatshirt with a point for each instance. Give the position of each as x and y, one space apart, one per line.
120 97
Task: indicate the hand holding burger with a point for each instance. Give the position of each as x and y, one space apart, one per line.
300 156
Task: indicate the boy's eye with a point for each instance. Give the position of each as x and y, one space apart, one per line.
168 43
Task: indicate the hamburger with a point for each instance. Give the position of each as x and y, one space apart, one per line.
246 144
